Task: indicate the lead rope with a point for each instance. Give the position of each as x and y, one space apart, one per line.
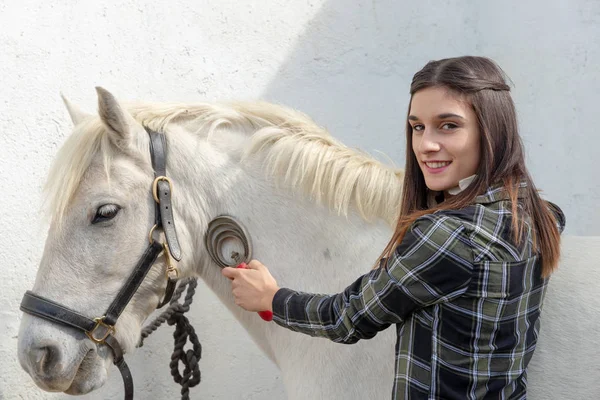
174 315
219 230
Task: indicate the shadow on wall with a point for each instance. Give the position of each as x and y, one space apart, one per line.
352 67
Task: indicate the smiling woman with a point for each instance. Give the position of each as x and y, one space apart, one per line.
464 275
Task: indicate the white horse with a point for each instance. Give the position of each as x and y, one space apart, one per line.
318 214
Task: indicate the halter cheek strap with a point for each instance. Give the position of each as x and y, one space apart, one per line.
162 190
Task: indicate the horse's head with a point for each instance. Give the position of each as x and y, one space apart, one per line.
102 211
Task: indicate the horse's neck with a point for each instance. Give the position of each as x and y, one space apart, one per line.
304 243
306 246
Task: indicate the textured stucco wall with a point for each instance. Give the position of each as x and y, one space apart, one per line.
347 64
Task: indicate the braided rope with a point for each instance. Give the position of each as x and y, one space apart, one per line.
174 315
219 230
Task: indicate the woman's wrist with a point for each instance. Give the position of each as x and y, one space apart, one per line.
270 296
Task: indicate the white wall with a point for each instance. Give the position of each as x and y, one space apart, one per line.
346 63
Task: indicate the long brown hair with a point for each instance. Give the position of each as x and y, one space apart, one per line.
482 83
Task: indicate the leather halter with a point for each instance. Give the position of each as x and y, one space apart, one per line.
101 330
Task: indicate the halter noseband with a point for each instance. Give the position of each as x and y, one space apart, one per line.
101 329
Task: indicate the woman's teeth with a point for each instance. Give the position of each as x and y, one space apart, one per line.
437 164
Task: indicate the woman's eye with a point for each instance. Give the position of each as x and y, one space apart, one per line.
449 126
418 127
106 213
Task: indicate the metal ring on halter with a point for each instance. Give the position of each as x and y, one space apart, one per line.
220 230
108 330
150 238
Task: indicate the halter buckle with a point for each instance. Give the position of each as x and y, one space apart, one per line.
155 186
109 329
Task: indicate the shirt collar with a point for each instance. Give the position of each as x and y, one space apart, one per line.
498 192
462 185
494 193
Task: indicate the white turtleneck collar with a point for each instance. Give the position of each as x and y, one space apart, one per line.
462 185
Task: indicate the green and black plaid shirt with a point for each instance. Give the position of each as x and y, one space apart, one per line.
465 300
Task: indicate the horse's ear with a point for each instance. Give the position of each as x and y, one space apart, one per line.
119 122
77 115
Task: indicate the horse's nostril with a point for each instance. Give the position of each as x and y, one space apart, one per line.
44 359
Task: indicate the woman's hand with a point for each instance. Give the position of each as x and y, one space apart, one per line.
253 288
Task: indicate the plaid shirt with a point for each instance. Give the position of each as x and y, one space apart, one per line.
465 300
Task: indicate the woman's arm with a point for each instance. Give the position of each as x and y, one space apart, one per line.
432 264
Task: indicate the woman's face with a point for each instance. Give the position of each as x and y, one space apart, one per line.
445 137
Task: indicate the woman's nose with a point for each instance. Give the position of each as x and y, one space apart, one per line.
428 143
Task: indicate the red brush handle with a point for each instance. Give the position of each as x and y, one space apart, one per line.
266 315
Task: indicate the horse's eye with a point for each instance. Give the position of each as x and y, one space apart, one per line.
106 213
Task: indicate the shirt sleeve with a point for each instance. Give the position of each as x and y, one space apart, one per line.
433 264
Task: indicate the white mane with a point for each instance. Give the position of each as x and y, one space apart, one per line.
295 150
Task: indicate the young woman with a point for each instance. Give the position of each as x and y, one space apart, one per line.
465 273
